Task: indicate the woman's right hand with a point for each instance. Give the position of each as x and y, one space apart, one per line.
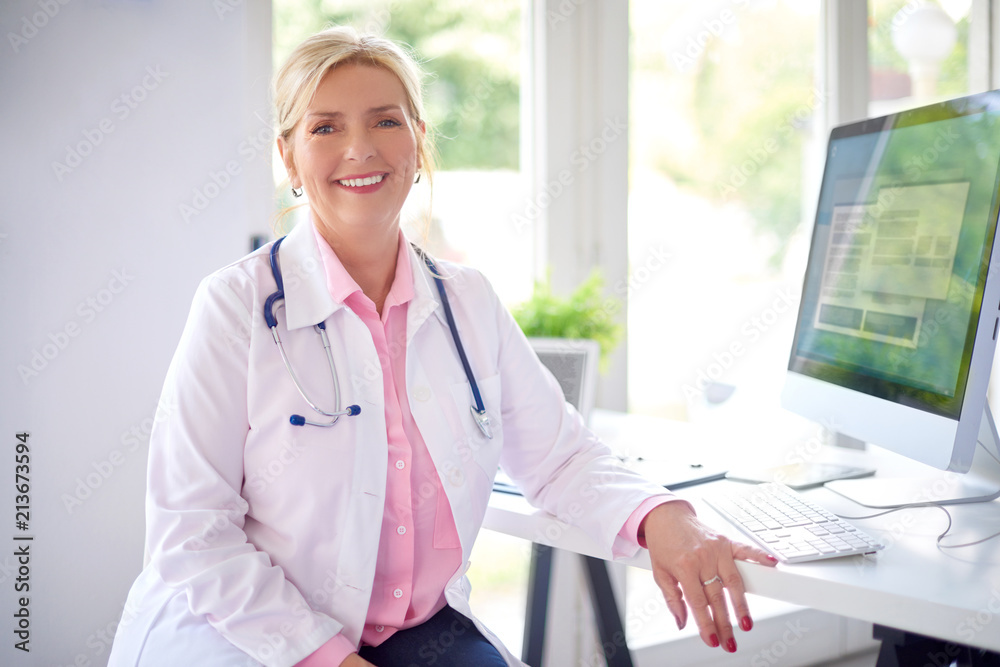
355 660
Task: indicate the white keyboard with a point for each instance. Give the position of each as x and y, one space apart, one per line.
790 527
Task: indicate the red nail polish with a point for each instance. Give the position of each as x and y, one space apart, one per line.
731 645
713 641
746 623
772 558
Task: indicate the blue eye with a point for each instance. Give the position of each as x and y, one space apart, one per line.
322 129
389 122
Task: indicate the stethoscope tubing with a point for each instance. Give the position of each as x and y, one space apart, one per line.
478 410
271 303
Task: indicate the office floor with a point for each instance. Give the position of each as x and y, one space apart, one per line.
863 660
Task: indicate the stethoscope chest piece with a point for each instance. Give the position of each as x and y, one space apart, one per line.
482 421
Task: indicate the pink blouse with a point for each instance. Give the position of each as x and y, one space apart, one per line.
419 548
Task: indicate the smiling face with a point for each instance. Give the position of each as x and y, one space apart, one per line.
355 152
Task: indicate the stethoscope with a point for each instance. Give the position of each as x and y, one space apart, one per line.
478 410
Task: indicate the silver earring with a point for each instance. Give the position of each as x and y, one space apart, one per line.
297 193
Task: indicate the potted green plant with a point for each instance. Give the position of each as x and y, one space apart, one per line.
586 313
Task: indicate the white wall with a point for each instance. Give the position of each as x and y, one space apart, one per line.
99 264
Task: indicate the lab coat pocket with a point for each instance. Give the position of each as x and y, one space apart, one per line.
445 532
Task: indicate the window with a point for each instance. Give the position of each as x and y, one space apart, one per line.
918 53
472 53
722 105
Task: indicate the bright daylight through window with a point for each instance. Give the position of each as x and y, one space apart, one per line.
723 150
472 53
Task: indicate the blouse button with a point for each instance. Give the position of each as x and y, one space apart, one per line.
398 593
401 530
400 464
379 628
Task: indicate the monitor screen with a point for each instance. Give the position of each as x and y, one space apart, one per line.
900 256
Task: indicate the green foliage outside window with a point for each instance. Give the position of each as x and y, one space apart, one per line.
471 50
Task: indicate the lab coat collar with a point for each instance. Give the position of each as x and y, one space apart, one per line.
426 300
308 300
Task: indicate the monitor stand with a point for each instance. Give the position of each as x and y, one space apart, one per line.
942 487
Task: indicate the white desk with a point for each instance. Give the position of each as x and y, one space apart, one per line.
953 595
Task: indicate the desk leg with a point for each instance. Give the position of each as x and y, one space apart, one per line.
901 649
536 614
609 620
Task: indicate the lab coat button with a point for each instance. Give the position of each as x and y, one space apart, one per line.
401 530
421 393
400 464
398 593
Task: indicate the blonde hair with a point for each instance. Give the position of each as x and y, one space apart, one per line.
296 81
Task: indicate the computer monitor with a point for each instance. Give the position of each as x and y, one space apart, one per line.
900 306
573 362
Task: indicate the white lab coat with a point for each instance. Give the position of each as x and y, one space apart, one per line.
265 534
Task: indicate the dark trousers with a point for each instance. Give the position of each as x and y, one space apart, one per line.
446 639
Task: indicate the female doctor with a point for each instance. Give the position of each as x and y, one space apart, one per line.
285 527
